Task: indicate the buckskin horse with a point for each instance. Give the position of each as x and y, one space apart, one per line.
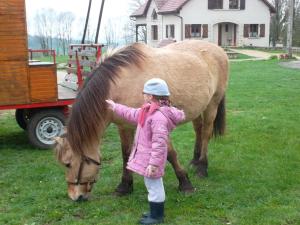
197 75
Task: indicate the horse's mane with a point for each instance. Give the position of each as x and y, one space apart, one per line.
89 110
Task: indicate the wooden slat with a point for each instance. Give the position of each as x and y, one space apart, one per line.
12 26
12 6
43 83
83 63
14 87
74 71
82 53
13 48
13 31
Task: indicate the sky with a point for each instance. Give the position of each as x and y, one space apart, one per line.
117 11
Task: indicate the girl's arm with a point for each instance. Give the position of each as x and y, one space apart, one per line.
160 135
127 113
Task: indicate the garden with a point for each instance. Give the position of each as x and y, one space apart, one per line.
253 170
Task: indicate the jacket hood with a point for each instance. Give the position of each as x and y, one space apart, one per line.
174 115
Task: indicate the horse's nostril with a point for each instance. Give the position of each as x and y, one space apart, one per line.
80 198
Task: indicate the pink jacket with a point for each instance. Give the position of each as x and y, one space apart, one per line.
150 145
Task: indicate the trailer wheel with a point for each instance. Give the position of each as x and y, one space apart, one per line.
43 126
22 117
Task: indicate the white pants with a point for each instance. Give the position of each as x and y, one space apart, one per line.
155 188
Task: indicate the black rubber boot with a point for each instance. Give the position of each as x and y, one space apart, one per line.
145 214
156 214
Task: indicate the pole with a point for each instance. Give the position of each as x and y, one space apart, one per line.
99 21
86 22
290 29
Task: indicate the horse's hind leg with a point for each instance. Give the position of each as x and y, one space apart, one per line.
197 124
209 116
126 185
184 182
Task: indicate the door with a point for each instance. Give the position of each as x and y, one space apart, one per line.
220 34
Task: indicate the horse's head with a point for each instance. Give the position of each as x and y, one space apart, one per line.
81 170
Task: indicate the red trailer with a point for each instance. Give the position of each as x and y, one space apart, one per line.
30 87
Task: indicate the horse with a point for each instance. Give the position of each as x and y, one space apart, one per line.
197 75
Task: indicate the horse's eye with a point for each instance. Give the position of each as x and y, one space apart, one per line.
68 165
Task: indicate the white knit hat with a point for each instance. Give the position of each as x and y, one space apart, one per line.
156 86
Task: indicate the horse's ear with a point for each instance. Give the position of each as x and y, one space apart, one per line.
62 151
58 140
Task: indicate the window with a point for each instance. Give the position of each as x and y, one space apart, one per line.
195 30
205 31
226 27
233 4
154 15
170 31
154 32
253 30
215 4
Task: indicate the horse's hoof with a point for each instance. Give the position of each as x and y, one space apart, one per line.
123 189
194 162
202 173
202 170
186 188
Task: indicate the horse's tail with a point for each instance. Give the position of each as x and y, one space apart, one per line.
220 120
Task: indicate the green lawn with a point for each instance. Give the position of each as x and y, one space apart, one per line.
254 171
243 56
59 59
270 50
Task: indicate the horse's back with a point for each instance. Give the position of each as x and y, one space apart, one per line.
213 55
191 69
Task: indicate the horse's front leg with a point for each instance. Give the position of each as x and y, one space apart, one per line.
126 137
184 182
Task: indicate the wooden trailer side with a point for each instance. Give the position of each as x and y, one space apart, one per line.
14 77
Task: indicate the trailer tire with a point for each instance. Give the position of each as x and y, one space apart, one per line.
43 126
22 117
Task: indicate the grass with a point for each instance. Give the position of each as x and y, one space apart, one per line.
59 59
270 50
243 56
253 170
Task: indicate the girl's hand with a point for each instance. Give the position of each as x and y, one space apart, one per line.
151 171
111 104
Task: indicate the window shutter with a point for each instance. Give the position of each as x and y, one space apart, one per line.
246 30
221 4
205 31
262 30
187 30
243 4
167 31
211 4
172 31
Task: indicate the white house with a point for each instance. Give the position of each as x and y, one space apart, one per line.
224 22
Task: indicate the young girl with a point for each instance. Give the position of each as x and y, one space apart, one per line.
154 120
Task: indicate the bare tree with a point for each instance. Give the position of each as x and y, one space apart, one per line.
296 28
45 23
64 30
110 34
129 28
278 21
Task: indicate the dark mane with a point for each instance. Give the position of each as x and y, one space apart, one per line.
89 110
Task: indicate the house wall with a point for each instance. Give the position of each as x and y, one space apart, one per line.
151 22
256 12
196 12
176 21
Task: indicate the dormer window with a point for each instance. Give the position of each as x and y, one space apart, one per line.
154 15
233 4
215 4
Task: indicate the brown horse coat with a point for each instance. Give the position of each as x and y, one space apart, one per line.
197 76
